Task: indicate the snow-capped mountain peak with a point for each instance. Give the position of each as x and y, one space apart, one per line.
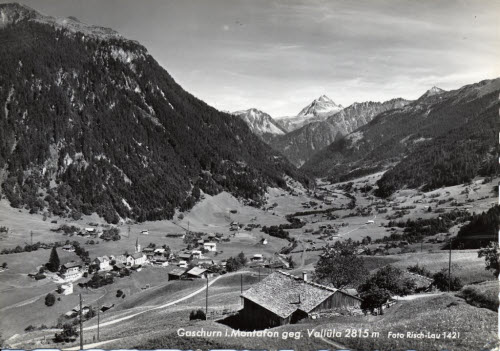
432 92
259 122
321 106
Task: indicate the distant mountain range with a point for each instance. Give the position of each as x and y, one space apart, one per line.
442 138
90 122
316 111
301 144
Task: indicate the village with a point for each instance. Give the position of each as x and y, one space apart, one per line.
250 269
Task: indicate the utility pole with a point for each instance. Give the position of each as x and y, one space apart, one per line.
98 322
241 288
81 323
128 233
31 233
449 269
259 274
206 302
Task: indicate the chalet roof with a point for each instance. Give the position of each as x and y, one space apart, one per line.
210 244
196 271
137 255
177 271
102 259
71 264
351 291
280 291
185 255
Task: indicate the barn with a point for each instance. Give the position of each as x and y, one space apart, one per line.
282 298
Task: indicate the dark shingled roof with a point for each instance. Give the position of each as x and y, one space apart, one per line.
280 291
177 271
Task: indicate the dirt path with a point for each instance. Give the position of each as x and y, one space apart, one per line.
417 296
121 319
152 308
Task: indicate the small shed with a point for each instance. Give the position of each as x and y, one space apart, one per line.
176 274
197 272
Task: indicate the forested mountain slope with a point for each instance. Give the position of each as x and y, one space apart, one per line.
301 144
440 139
89 121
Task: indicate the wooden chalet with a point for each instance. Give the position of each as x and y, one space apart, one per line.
282 298
197 272
176 273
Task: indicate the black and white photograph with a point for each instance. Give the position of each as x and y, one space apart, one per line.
250 175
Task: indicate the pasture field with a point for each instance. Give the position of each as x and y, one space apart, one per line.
22 299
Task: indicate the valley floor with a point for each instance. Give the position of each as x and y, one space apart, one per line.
154 307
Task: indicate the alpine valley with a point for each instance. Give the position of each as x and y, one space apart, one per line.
133 215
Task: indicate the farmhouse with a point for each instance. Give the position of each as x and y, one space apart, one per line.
136 259
66 289
102 262
197 272
71 270
282 298
161 261
185 257
196 254
176 274
210 246
121 259
68 248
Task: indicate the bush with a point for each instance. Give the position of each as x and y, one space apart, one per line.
441 281
374 298
419 270
119 293
391 279
50 300
29 328
68 334
198 314
483 295
111 234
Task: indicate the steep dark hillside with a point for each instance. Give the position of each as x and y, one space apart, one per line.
301 144
482 229
440 139
89 121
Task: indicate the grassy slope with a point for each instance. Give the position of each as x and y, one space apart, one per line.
444 313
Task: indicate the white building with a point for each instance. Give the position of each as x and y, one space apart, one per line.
71 271
257 257
66 289
102 262
210 246
196 254
136 259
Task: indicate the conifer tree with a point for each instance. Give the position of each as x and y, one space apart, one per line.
53 264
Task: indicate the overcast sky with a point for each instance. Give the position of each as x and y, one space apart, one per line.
280 55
